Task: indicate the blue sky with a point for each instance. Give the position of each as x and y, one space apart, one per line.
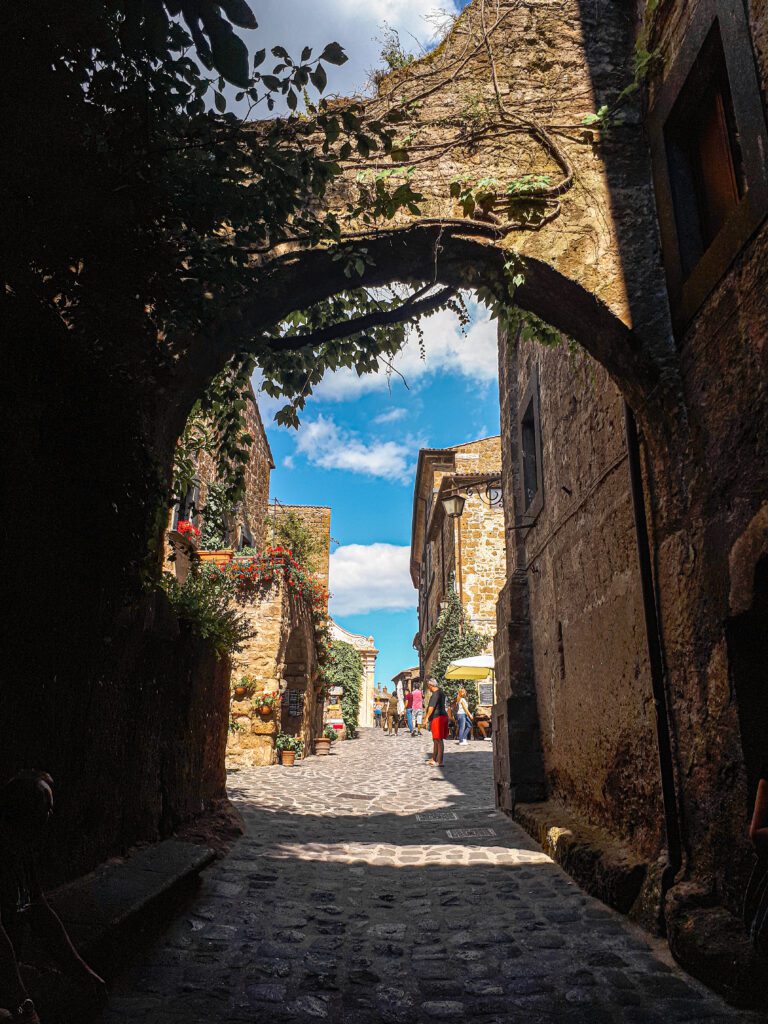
356 451
357 447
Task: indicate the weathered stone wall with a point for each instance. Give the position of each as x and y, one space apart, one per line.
482 539
724 373
317 519
588 648
280 656
483 561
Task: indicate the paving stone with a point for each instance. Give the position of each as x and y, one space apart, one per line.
354 912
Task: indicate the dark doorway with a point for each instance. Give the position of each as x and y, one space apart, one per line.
748 651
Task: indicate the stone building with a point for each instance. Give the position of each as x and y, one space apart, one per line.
468 549
245 527
366 648
632 707
571 635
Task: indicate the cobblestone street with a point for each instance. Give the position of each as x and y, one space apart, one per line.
370 887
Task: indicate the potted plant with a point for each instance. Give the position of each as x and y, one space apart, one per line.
265 703
243 689
323 743
288 747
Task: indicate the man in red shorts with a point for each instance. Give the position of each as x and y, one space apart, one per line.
437 720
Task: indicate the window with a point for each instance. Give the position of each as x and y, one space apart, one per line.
703 154
529 450
246 537
708 137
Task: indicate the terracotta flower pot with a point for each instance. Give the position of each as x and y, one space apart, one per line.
322 746
265 709
287 757
240 692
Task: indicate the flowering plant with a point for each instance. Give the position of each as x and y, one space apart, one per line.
188 529
265 700
254 576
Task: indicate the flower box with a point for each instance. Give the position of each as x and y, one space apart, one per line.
222 557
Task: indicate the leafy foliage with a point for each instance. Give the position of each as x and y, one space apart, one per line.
215 512
284 741
345 669
204 601
457 640
290 531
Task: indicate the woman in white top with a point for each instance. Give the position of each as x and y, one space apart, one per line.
463 717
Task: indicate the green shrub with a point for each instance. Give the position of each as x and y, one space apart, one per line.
204 602
286 742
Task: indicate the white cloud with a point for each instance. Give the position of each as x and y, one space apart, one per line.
391 416
370 577
288 462
473 356
331 447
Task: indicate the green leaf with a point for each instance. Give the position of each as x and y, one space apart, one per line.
306 53
219 101
292 99
239 13
280 51
334 54
259 57
228 52
319 78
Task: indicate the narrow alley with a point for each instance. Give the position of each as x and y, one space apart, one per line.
369 887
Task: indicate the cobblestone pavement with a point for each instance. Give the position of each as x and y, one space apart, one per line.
372 888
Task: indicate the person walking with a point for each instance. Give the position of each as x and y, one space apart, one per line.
437 720
463 716
417 707
409 708
393 715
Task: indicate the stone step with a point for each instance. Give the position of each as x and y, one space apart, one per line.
122 904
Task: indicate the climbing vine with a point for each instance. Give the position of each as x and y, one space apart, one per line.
345 669
458 639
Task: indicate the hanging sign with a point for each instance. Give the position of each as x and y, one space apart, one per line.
336 691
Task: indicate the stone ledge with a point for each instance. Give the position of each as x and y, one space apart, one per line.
118 904
600 864
711 944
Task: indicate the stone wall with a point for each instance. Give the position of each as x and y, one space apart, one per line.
280 657
253 508
317 519
482 539
587 646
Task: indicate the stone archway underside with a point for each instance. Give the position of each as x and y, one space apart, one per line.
498 110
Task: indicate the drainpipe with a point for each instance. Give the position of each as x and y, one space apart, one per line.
656 661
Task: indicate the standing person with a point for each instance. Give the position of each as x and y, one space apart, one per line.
417 707
377 714
393 715
409 707
463 716
437 720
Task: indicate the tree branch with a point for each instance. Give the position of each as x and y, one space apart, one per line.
412 307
